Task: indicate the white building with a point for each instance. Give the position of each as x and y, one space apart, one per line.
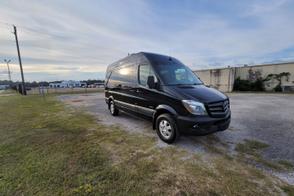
66 84
4 86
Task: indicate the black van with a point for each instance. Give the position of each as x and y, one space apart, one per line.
166 91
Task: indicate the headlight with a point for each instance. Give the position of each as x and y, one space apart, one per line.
194 107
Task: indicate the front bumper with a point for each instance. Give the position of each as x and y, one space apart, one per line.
202 125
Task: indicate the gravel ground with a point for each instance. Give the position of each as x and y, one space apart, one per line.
265 117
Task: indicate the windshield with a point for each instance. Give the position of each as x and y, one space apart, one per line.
176 74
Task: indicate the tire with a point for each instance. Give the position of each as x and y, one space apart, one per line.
113 110
166 128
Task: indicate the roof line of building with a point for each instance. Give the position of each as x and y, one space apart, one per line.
260 65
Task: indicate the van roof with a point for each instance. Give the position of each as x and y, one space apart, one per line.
144 58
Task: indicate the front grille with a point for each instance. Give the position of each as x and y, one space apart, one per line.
218 109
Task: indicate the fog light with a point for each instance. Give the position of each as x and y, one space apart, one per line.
195 126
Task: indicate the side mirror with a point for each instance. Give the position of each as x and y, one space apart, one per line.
151 82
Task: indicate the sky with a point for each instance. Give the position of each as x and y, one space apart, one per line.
73 39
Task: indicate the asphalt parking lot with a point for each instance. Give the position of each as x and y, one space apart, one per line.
268 118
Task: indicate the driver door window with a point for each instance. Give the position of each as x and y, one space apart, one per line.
144 72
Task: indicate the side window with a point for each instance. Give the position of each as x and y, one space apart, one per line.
125 76
112 81
144 72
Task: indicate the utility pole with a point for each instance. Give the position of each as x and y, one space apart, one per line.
24 92
9 73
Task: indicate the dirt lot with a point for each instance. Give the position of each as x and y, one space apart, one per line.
265 118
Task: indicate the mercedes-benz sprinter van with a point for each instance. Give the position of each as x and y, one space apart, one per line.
166 91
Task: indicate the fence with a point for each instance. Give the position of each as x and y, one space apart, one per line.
47 90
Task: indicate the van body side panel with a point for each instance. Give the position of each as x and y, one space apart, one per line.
148 100
151 99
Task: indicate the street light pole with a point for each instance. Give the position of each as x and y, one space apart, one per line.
9 73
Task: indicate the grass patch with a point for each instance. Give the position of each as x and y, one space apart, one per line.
286 164
253 149
49 149
251 146
289 190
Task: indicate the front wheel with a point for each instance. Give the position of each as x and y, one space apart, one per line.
113 110
166 128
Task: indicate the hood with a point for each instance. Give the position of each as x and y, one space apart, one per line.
199 93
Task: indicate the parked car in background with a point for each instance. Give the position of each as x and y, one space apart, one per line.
163 89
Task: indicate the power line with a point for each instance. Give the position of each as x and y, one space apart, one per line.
6 23
27 28
32 29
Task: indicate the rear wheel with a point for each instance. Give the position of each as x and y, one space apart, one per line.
113 110
166 128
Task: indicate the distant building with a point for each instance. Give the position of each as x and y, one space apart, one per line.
4 86
83 84
67 84
99 85
223 78
96 85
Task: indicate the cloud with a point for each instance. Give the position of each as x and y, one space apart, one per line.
70 39
263 7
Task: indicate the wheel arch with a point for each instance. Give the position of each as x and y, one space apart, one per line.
110 98
162 109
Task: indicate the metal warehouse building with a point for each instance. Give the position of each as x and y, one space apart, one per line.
223 78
